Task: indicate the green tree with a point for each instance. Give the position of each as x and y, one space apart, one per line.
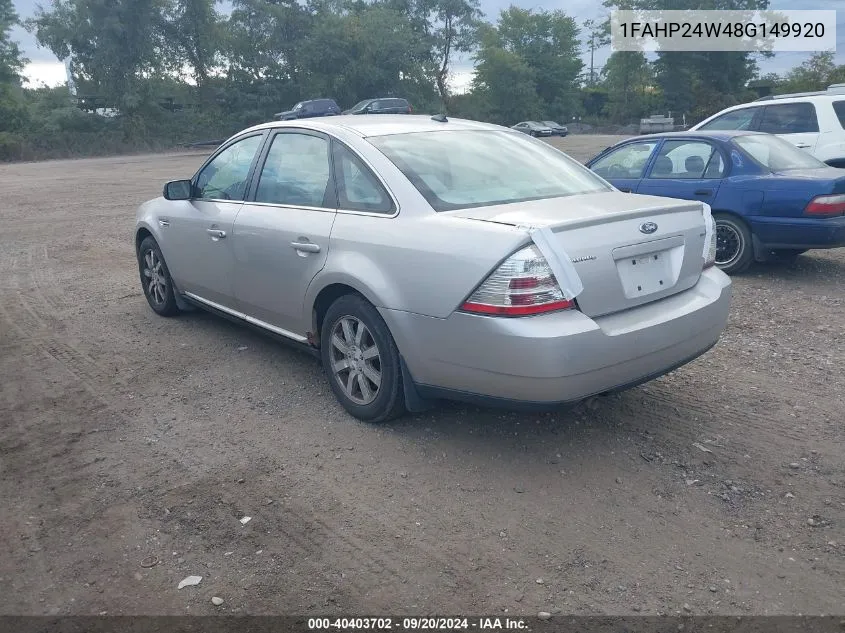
817 73
451 27
504 83
11 62
543 46
114 45
700 83
629 81
194 36
368 50
597 35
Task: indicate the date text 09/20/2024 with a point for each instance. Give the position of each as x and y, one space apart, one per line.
417 624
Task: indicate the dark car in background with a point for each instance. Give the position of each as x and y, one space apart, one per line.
556 128
309 109
533 128
381 105
769 199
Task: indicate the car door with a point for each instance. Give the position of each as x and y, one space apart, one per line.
690 169
281 235
797 123
624 166
196 236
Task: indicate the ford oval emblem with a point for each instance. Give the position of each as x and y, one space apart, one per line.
648 228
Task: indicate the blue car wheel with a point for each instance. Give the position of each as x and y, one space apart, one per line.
734 250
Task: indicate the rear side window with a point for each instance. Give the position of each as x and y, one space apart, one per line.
357 188
735 120
789 118
839 108
687 159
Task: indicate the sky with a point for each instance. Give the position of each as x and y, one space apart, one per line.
44 68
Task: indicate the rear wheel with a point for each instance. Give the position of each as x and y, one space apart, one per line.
361 360
734 251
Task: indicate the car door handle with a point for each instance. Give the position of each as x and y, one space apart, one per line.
216 234
306 247
802 145
703 192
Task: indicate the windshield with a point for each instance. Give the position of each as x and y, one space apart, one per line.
360 104
298 106
550 123
467 168
775 153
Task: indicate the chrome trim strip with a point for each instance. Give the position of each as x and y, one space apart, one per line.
324 209
248 319
289 206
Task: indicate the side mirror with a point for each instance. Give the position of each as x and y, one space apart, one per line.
178 190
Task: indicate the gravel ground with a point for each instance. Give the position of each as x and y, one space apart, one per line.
132 446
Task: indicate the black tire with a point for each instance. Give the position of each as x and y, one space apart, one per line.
156 282
350 383
734 248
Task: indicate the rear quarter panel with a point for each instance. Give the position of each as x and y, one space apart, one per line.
422 264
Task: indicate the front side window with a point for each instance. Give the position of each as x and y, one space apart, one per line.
296 172
628 161
735 120
459 169
225 177
789 118
687 160
357 187
776 154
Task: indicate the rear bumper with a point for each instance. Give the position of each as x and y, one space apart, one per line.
799 232
560 357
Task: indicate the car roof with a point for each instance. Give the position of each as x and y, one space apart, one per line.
382 125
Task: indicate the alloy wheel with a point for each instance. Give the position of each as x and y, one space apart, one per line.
355 360
155 278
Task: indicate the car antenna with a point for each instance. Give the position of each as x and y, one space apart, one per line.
440 118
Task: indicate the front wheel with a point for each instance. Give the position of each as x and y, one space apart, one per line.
361 360
734 250
155 278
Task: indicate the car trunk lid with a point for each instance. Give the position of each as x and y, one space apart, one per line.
627 250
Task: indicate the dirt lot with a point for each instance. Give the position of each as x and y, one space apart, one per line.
132 445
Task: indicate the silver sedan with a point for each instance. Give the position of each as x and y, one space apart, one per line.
424 258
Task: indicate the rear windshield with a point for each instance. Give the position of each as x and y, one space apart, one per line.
474 168
775 153
839 108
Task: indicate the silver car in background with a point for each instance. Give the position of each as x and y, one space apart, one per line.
424 258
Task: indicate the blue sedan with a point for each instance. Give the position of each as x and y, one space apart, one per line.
769 199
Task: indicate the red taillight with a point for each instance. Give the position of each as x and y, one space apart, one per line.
522 285
517 310
826 205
